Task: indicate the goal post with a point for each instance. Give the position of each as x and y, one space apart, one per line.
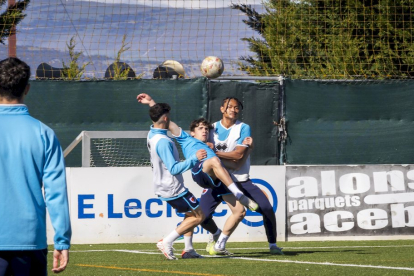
113 148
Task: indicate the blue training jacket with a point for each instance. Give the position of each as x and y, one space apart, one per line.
30 157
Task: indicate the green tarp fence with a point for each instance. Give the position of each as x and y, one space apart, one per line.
71 107
349 122
261 108
336 122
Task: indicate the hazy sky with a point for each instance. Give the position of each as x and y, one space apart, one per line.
187 4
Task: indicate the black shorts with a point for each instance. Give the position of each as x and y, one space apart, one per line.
185 203
23 262
203 179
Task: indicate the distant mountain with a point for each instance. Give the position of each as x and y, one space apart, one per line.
154 35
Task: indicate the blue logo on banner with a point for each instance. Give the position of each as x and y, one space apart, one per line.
249 213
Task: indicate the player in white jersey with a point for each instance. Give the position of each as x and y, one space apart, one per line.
227 138
169 183
209 172
166 183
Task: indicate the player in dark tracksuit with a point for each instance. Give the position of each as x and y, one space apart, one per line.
227 137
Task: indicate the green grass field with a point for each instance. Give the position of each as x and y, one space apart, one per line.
301 258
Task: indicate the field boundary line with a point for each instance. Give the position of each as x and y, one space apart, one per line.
326 263
265 260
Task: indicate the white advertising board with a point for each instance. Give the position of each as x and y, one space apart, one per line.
350 202
118 205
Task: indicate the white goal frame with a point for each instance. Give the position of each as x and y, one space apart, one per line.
86 136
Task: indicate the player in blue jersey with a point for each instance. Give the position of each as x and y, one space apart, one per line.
227 137
209 172
200 130
168 180
30 159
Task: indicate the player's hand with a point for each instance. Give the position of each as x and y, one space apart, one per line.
60 260
248 141
145 99
210 145
201 154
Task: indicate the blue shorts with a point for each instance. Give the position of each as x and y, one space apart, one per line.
185 203
203 179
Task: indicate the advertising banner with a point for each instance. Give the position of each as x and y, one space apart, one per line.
327 201
118 205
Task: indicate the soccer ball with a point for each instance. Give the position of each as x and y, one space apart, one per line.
212 67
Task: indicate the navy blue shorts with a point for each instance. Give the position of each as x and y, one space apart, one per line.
201 178
23 262
185 203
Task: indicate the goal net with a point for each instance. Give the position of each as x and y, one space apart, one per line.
113 149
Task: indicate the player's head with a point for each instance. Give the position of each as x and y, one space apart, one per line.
200 129
160 115
230 108
14 79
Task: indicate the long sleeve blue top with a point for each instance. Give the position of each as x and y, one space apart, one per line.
191 145
31 158
165 152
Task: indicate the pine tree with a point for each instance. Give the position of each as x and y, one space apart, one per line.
336 39
11 17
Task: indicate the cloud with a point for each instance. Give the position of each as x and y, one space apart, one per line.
186 4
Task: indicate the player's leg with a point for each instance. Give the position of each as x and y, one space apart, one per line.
189 252
214 169
209 201
237 214
193 217
266 209
191 220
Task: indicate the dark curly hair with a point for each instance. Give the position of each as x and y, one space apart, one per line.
199 122
157 110
14 77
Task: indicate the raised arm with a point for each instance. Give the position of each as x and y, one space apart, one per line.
145 99
148 100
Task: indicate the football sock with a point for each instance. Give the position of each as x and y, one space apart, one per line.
272 245
216 235
221 242
171 237
188 243
235 190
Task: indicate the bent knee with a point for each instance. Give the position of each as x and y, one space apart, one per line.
240 214
215 161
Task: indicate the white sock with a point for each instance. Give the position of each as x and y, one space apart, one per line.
188 243
171 237
235 190
216 235
272 245
221 242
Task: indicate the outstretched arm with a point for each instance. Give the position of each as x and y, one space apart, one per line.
147 99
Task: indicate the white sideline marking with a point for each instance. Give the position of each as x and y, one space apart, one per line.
330 247
273 260
332 264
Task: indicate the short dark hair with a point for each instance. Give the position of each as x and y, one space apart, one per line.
228 99
157 110
198 122
14 77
